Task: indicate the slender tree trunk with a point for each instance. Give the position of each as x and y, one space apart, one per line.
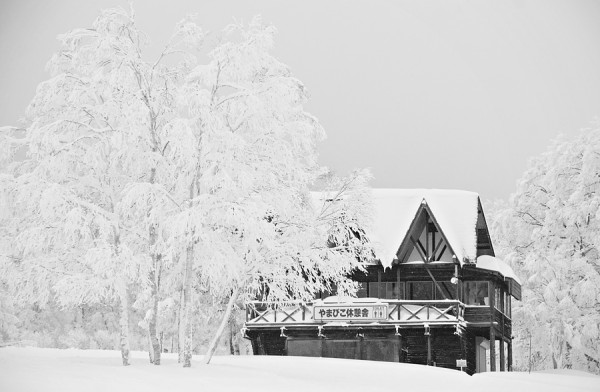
156 261
231 338
215 341
188 337
124 323
187 308
155 345
150 351
181 327
234 342
186 328
124 299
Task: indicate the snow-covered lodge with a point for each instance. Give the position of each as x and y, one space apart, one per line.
437 295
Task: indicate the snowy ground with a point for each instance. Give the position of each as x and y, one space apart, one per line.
35 369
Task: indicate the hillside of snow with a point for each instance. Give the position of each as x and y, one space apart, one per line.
36 369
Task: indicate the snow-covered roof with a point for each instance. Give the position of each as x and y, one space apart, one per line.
455 212
491 263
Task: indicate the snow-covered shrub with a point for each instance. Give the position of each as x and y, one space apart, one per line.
105 340
76 338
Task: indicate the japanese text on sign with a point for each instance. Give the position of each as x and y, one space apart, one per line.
350 313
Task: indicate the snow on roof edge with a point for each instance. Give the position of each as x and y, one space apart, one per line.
492 263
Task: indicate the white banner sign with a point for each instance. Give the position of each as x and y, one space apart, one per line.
350 312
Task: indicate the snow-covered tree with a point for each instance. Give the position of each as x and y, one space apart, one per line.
170 182
550 231
248 222
91 197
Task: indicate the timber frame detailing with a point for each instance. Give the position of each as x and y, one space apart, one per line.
428 308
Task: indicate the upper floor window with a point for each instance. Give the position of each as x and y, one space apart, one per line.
445 290
476 293
428 290
507 310
420 291
386 290
498 299
361 292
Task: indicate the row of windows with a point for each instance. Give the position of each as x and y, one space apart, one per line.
419 291
475 293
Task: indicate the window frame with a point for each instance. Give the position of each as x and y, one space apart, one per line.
498 299
466 294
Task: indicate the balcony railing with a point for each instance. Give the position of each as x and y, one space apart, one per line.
400 312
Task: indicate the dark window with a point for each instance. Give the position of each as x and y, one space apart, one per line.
476 293
304 347
420 291
381 350
348 349
373 289
361 292
370 349
386 290
448 290
400 292
498 302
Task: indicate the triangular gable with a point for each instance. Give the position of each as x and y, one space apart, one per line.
425 241
456 213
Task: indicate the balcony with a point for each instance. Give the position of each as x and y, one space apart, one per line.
353 311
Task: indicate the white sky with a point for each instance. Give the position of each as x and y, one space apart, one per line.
435 94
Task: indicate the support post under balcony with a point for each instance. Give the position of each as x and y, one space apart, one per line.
428 334
502 357
509 359
492 349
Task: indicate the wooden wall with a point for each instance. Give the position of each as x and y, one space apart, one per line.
470 347
446 347
267 343
410 347
416 346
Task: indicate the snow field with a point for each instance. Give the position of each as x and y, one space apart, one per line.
36 369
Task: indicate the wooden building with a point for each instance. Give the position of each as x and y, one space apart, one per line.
437 295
